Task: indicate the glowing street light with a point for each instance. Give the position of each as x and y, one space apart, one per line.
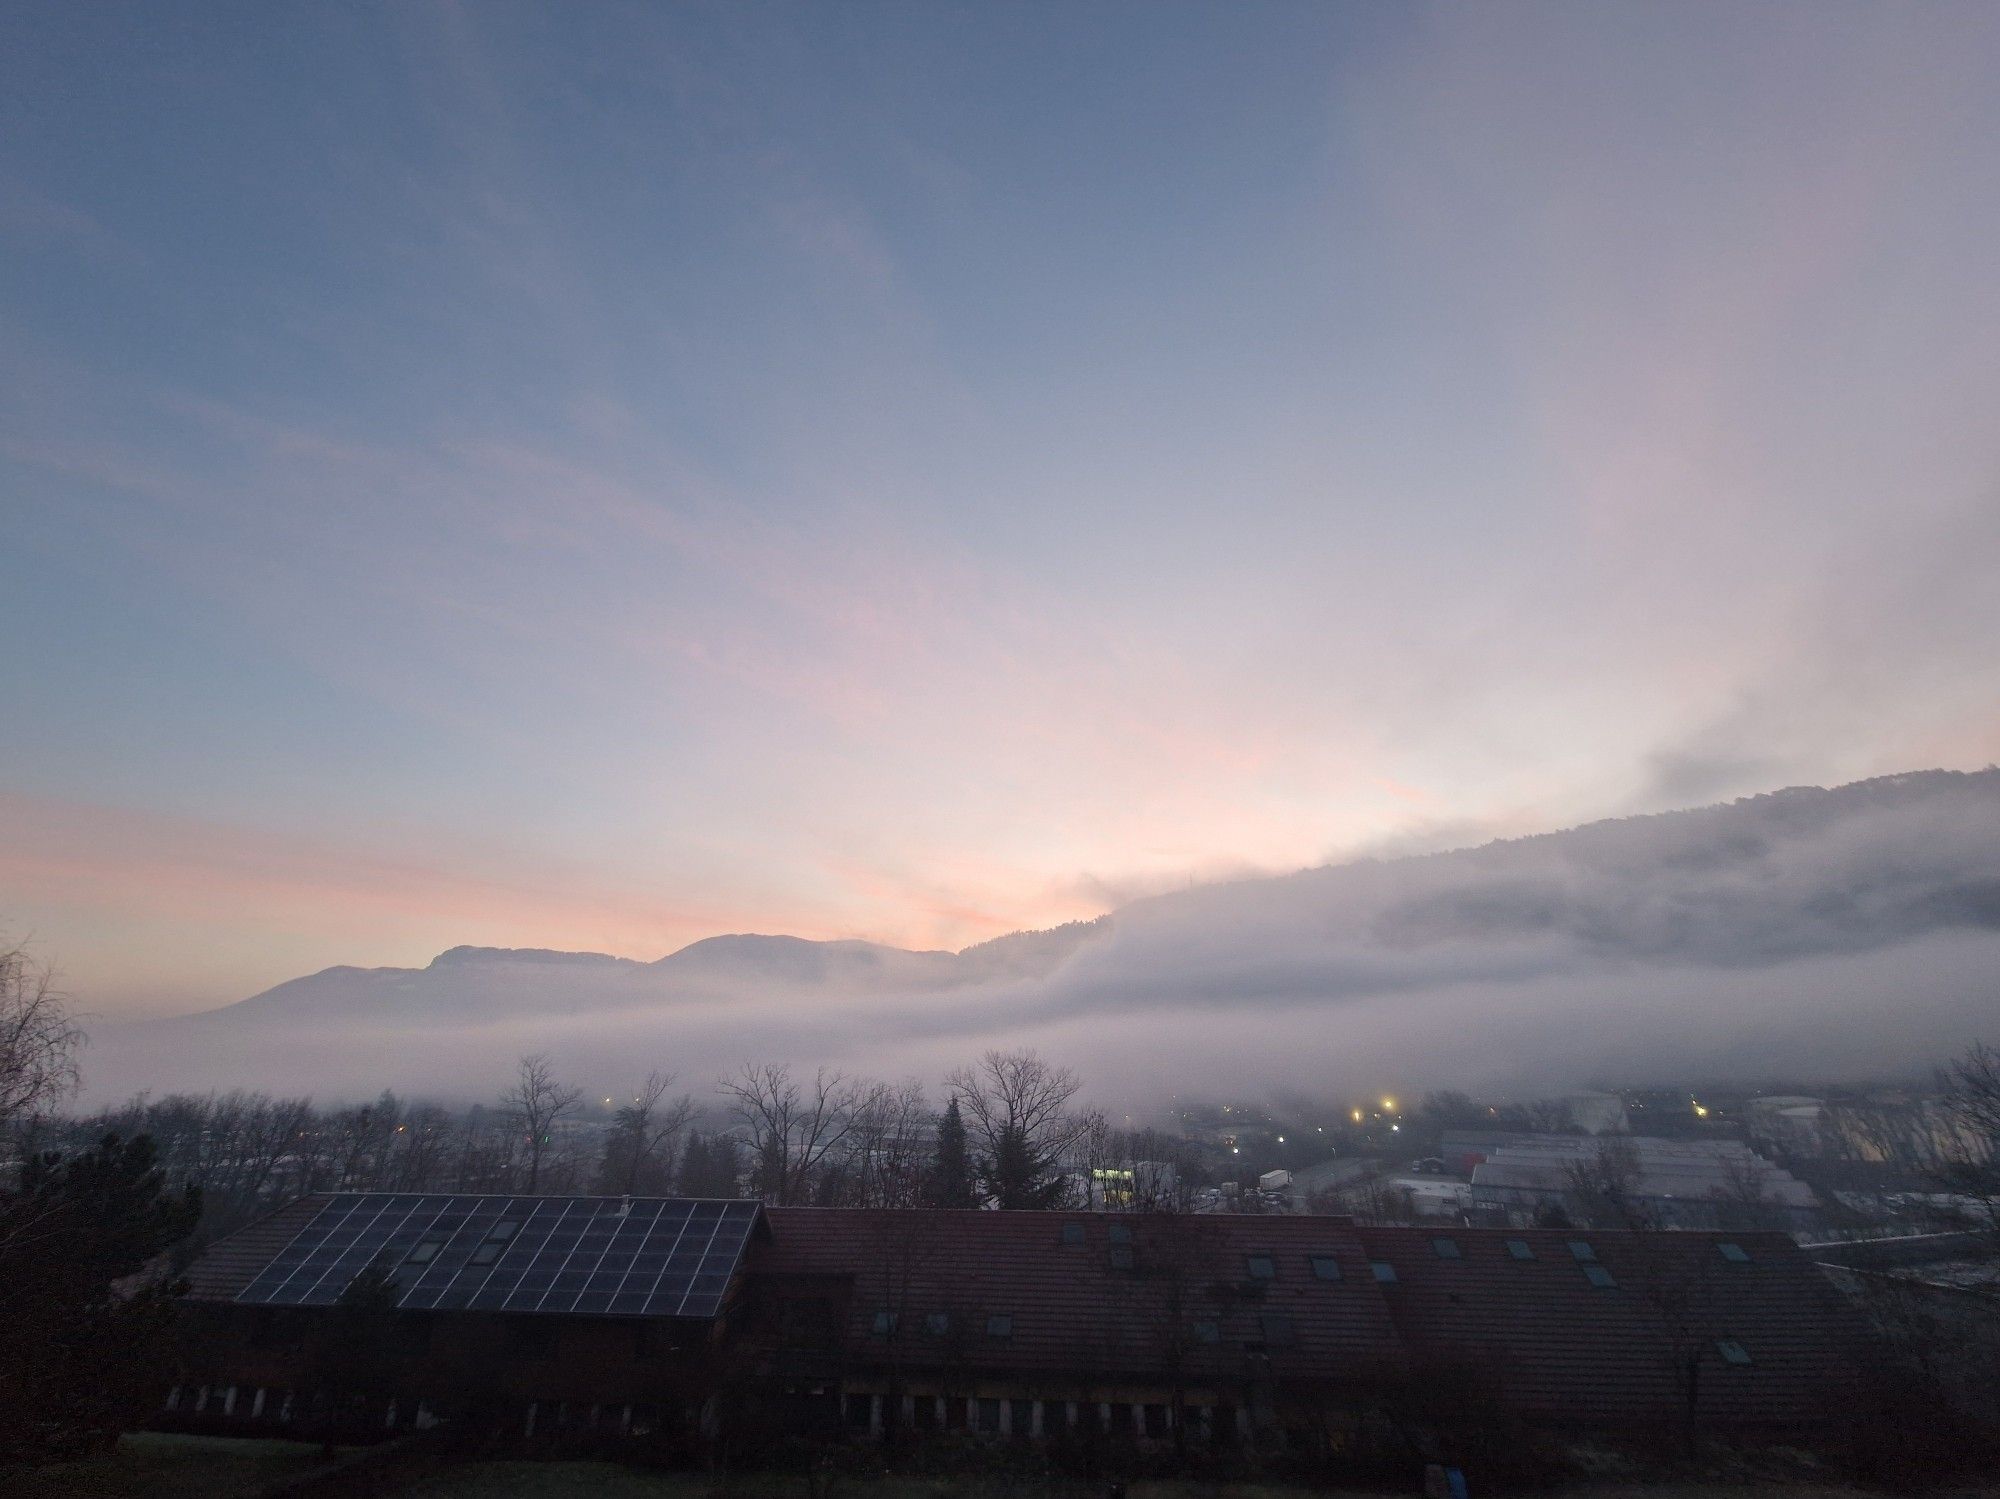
1357 1116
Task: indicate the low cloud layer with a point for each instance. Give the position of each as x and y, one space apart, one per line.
1851 933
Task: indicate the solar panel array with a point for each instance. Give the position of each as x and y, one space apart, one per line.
658 1257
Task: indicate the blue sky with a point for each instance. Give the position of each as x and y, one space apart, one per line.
598 476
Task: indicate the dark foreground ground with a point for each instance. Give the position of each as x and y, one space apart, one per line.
151 1466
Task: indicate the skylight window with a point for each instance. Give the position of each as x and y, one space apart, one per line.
1582 1252
1119 1233
1520 1249
425 1252
502 1231
1736 1254
1600 1277
1121 1257
1384 1271
488 1252
1445 1249
1207 1332
1072 1233
1733 1352
1325 1267
885 1323
1260 1267
1000 1325
937 1324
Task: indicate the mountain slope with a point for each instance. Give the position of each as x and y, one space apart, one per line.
1846 930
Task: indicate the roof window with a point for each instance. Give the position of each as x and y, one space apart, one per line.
1260 1267
1384 1271
1119 1233
885 1323
1733 1352
1445 1249
937 1324
1736 1254
1581 1252
1520 1249
1121 1257
1207 1332
1600 1277
1072 1233
1000 1325
426 1251
1325 1267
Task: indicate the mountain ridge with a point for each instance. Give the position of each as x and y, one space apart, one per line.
1785 916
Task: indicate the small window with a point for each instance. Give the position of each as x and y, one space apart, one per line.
885 1323
937 1324
1520 1249
1581 1252
1736 1254
1000 1325
1260 1267
1072 1233
1121 1257
1600 1277
502 1231
1384 1271
1733 1352
1119 1233
1278 1330
1207 1332
1445 1249
425 1252
487 1253
1325 1267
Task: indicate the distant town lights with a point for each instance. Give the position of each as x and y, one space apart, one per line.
1357 1116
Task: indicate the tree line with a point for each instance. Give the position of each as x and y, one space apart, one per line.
1007 1133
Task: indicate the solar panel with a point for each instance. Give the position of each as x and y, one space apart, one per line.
659 1257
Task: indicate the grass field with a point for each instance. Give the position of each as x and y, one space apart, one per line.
151 1465
154 1466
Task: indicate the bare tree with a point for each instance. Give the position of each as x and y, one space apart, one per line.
792 1129
1604 1186
39 1038
535 1105
640 1150
1017 1108
1966 1153
886 1156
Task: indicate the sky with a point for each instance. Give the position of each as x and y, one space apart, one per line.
597 477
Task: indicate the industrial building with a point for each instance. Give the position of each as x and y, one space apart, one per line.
557 1314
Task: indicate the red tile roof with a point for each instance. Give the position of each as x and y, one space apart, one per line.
232 1262
1073 1311
1561 1347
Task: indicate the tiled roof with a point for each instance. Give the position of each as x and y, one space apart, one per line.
1562 1347
1073 1309
231 1263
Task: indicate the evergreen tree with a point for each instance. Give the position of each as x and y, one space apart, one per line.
709 1166
80 1360
951 1184
1020 1176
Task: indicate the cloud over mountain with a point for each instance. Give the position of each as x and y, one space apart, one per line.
1853 931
